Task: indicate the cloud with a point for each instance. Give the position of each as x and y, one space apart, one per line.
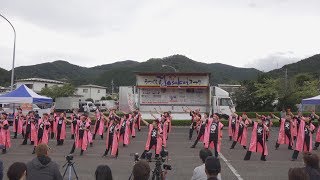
86 17
274 61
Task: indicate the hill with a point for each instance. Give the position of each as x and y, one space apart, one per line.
123 72
310 65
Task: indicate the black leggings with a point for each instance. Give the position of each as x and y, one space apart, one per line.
215 143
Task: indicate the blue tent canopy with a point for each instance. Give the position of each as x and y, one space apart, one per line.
24 95
312 101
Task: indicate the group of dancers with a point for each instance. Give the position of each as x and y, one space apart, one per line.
295 130
118 129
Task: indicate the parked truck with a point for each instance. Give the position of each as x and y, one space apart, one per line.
212 99
66 104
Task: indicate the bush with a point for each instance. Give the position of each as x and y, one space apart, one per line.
253 114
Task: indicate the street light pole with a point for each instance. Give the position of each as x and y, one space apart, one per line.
175 70
14 51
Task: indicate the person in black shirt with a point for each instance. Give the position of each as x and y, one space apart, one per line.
154 139
29 120
193 115
285 132
304 139
202 129
258 140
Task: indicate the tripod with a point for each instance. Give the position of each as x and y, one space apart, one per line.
69 167
157 172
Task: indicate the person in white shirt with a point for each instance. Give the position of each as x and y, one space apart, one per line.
199 172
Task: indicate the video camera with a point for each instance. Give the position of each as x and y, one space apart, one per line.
69 157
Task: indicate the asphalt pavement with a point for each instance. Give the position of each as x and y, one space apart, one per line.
182 158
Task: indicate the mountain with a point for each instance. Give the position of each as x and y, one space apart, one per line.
4 77
122 73
310 65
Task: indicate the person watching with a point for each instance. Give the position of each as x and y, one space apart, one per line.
17 171
199 173
41 167
311 162
213 167
103 172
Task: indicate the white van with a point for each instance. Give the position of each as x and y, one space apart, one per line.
87 106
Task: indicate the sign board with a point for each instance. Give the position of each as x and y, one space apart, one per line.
172 80
173 96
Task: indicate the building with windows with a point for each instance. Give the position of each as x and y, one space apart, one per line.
37 84
91 91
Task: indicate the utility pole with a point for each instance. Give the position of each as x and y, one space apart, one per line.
112 86
286 80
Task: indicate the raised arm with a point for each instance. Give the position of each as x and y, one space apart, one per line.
67 120
145 122
153 115
274 116
258 115
159 112
315 115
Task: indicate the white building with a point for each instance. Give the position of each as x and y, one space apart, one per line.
37 84
91 91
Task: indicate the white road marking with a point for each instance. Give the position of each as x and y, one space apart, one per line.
234 171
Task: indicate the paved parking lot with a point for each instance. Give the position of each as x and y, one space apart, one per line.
182 158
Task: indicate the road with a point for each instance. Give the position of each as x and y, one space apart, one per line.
182 158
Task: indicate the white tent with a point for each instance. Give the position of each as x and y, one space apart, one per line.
311 101
24 95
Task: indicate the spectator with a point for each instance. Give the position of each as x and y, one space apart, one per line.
311 162
1 170
103 172
17 171
141 170
213 167
42 167
298 174
199 173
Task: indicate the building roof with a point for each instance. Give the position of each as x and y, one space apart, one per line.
229 85
93 86
40 80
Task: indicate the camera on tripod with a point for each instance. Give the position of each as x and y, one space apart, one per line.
69 158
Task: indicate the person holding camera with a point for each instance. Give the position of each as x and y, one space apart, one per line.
154 138
41 167
113 133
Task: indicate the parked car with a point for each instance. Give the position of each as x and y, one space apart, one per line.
87 106
101 105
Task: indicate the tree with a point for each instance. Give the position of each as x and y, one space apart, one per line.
103 98
58 91
109 98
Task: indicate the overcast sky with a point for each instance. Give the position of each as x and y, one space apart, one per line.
264 34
